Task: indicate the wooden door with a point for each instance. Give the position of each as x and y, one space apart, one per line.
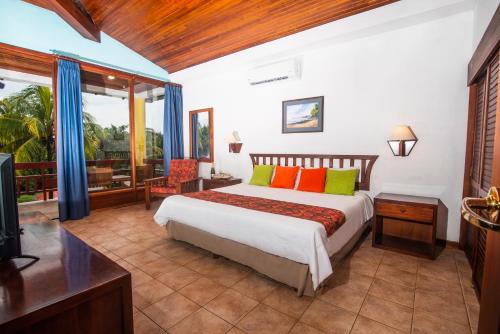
483 171
480 170
489 315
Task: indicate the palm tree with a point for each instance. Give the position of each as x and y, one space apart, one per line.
92 135
27 126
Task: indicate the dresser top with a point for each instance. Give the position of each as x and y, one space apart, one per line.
67 267
407 198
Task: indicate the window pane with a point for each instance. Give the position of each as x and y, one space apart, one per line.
27 129
148 116
106 131
203 135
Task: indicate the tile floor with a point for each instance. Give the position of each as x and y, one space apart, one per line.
178 288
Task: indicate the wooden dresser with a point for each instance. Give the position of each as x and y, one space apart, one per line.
409 224
71 289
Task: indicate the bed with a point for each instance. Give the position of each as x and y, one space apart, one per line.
290 250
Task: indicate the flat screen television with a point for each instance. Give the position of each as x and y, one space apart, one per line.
10 241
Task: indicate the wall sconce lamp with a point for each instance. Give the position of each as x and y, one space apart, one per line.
402 140
234 141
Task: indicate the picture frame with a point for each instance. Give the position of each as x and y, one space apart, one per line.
303 115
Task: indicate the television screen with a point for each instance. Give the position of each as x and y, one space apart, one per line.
10 243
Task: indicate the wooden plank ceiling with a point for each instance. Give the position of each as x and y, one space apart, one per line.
177 34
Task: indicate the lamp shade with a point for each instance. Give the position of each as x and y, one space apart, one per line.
402 140
234 137
402 132
234 142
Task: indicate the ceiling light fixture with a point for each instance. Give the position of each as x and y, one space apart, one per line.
111 77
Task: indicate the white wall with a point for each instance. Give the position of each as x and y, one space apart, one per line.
483 12
412 72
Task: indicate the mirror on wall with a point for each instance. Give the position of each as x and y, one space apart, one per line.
201 135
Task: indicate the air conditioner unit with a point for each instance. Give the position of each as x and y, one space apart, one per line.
280 71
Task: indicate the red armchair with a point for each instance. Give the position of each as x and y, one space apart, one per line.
183 178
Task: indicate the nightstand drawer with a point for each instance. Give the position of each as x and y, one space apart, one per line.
401 211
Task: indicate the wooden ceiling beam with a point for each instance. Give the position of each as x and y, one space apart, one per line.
183 33
76 18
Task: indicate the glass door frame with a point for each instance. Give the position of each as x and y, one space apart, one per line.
134 192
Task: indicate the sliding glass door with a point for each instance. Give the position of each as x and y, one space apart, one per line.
148 118
107 131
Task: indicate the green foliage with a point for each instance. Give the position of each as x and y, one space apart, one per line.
25 198
27 126
315 111
154 144
26 129
203 141
92 134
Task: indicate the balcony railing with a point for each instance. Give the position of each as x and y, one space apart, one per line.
41 177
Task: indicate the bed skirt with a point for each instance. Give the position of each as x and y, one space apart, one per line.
280 269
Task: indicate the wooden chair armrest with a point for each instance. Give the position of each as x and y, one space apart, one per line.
159 181
188 186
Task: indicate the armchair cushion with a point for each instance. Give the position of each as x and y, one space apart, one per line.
183 178
164 190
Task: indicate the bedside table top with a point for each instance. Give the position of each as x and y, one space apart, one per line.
407 198
233 179
218 183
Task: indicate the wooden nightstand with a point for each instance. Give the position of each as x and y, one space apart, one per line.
219 183
410 224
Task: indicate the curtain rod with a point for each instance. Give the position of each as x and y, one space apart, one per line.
72 56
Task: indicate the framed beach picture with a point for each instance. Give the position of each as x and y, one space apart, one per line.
303 115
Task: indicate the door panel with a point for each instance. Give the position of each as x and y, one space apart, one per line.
482 170
481 246
489 124
481 165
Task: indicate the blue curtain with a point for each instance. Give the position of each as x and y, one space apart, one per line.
71 171
173 142
194 138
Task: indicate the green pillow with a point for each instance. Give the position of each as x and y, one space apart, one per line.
340 182
262 175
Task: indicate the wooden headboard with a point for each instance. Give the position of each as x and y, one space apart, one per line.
363 162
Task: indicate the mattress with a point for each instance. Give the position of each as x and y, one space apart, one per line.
299 240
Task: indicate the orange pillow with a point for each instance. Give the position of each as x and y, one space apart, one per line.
312 179
284 177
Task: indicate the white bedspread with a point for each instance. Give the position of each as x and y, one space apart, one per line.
296 239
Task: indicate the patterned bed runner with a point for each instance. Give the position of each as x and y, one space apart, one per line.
331 219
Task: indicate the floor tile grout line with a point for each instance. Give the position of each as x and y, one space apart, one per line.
392 301
463 294
239 320
367 292
244 315
374 277
174 291
298 319
414 297
147 316
465 304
